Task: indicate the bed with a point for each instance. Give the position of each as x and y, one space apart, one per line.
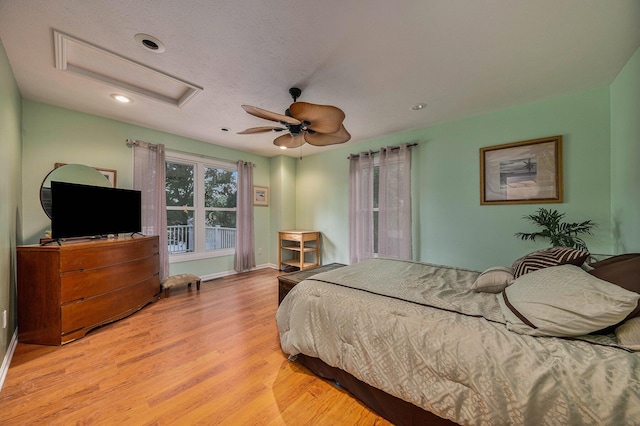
425 343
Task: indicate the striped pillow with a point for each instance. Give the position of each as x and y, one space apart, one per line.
554 256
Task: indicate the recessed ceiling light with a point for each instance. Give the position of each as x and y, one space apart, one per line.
149 43
418 107
122 98
225 129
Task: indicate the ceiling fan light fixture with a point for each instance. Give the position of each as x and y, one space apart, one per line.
283 148
295 129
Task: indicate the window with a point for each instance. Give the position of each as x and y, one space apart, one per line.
201 207
380 204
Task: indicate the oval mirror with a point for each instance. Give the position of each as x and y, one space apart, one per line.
72 173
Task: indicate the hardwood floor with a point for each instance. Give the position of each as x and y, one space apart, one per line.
207 357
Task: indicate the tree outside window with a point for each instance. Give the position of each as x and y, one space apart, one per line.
180 207
221 190
201 206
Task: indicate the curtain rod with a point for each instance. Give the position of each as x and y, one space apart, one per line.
391 148
133 142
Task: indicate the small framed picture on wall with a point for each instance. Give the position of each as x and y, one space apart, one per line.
260 196
110 174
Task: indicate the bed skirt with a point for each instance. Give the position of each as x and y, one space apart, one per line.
394 409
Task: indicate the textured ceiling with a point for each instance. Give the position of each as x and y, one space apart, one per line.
372 58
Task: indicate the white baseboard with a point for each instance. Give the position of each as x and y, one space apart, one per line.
227 273
4 368
217 275
266 265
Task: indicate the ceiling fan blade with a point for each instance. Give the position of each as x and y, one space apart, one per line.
268 115
323 118
322 139
263 129
289 141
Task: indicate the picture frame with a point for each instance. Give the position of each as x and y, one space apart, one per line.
260 196
526 172
110 174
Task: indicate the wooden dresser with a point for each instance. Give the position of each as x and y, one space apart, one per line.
65 291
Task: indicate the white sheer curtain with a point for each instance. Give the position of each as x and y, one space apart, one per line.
394 203
149 178
360 207
245 254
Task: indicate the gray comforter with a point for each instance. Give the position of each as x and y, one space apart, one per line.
417 332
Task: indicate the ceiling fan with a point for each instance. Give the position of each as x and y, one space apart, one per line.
318 125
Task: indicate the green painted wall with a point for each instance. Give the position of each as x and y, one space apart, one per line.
52 135
10 196
322 191
450 225
625 157
283 200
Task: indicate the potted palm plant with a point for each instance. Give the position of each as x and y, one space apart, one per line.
558 232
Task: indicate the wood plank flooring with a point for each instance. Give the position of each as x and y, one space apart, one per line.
209 357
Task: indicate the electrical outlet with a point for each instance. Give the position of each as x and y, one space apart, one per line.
4 319
260 250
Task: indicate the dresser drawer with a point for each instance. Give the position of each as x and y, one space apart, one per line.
111 253
85 284
110 306
290 237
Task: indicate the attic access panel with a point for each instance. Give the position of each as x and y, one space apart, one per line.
85 59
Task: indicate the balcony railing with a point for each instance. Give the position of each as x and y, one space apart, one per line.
181 238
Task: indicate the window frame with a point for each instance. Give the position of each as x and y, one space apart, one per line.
199 163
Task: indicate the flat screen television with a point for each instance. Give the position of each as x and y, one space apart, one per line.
92 211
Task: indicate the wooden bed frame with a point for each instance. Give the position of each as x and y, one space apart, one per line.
396 410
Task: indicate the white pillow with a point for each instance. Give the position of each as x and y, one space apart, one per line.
493 280
628 334
564 301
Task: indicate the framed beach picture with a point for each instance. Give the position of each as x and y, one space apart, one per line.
260 196
527 172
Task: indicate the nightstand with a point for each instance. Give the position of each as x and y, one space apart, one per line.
287 281
297 244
